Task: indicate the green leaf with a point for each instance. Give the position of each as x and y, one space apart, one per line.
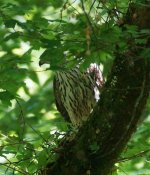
42 158
10 23
54 56
48 35
56 4
140 41
12 36
6 97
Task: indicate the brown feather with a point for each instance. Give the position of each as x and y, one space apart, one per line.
75 93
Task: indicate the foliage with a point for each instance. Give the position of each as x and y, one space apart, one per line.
63 34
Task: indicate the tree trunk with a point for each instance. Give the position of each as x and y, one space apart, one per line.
96 147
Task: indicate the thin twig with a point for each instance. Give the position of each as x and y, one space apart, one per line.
140 154
88 19
91 7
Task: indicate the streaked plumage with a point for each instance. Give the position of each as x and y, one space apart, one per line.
76 92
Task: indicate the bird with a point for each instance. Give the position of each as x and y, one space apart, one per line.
77 92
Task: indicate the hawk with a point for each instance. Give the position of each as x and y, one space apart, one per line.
76 92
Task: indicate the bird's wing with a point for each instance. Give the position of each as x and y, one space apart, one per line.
60 106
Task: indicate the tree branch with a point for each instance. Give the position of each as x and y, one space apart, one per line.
114 118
